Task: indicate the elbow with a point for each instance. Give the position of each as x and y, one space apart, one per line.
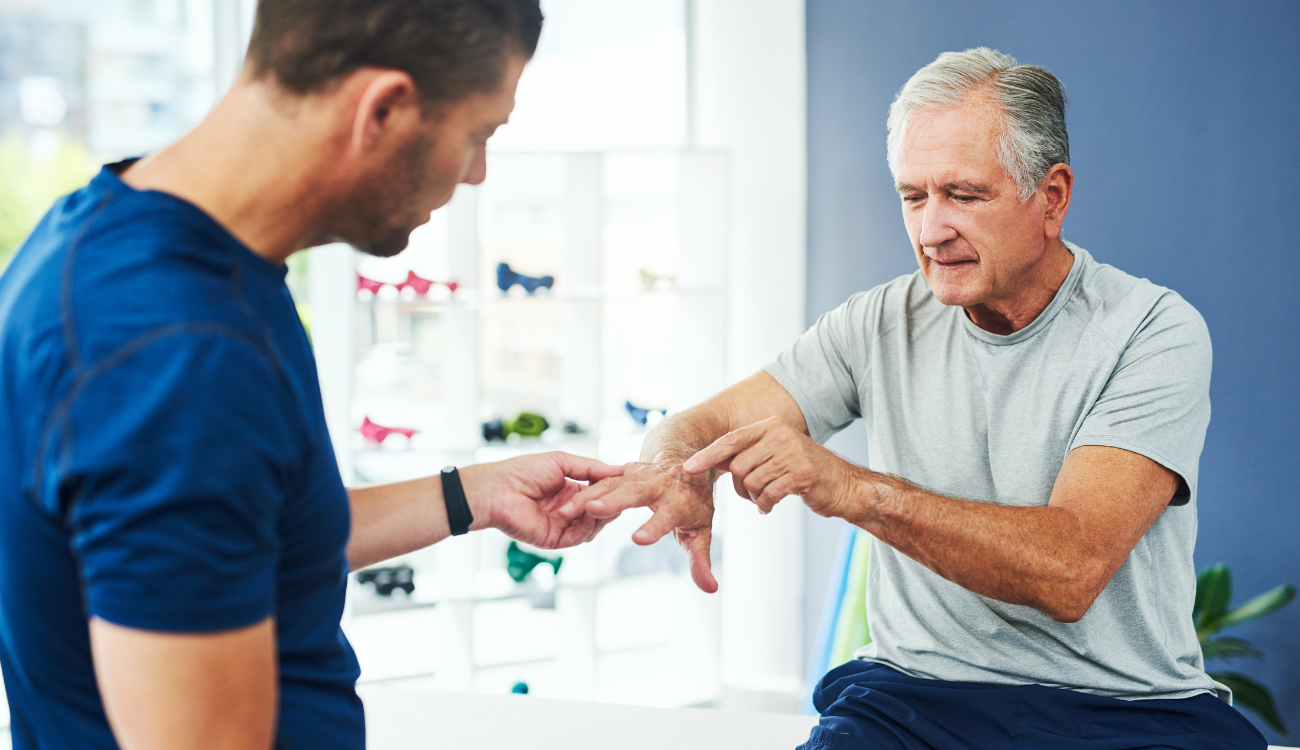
1068 601
1068 611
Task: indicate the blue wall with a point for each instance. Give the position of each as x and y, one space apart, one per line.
1185 139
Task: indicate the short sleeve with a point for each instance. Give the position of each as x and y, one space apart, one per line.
1157 402
178 459
823 367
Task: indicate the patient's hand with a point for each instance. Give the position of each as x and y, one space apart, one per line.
682 504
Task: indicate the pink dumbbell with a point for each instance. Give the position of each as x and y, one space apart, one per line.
379 433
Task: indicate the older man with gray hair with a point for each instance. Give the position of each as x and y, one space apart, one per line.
1035 420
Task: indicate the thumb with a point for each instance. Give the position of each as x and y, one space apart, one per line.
585 469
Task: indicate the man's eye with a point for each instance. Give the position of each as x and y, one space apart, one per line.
965 198
913 198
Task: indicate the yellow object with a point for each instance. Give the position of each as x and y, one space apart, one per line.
851 629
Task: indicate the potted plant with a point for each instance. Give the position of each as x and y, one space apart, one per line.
1211 615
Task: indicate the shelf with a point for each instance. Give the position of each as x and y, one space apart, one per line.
473 299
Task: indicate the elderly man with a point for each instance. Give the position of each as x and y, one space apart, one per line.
1035 421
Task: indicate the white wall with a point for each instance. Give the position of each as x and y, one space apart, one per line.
748 94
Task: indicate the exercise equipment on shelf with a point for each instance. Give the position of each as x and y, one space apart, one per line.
417 284
649 280
520 562
379 433
390 579
369 285
525 425
421 286
642 416
508 278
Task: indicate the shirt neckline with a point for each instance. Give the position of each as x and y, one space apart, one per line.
1044 319
110 179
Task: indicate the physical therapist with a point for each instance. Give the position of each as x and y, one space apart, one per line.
174 533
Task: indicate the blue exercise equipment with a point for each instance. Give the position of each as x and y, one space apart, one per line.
507 278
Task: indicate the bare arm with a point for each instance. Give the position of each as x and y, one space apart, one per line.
187 692
1056 558
683 503
521 497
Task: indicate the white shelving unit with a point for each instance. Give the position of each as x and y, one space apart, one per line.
619 622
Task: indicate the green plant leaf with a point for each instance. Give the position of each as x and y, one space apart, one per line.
1213 590
1247 693
1229 648
1269 601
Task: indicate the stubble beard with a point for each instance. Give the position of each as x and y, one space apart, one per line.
386 205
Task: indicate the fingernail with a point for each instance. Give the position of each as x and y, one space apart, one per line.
566 508
641 536
595 505
689 465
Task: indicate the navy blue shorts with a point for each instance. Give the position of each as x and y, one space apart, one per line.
866 706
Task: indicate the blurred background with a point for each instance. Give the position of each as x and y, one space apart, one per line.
702 179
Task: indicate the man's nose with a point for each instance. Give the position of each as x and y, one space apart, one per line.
477 172
936 225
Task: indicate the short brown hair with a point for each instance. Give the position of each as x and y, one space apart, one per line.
450 48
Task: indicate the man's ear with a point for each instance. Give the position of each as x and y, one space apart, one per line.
389 104
1058 186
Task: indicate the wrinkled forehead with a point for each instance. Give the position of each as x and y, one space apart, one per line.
947 143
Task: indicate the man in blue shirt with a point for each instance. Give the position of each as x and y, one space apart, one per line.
174 532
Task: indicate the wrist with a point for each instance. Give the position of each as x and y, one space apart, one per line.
673 461
475 480
866 497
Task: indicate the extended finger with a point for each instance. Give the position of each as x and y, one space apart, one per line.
632 494
724 448
578 503
697 546
585 469
662 523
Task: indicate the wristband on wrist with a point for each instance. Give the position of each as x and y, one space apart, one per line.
459 517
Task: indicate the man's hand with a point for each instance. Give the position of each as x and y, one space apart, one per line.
771 460
682 504
521 496
524 496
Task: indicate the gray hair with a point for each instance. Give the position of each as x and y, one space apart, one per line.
1029 98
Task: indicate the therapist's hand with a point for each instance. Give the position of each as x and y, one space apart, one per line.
682 504
523 497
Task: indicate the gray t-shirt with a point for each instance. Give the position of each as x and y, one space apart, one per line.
1115 361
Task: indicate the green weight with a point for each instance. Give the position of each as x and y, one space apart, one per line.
526 425
520 563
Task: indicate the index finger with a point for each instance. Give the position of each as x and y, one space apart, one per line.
725 448
578 503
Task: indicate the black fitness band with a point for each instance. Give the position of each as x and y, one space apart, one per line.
453 494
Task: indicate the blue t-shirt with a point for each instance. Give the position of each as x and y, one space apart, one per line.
164 464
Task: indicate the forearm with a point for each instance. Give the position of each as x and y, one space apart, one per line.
394 519
1035 556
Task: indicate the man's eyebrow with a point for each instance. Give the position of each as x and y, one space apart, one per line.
966 187
903 187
